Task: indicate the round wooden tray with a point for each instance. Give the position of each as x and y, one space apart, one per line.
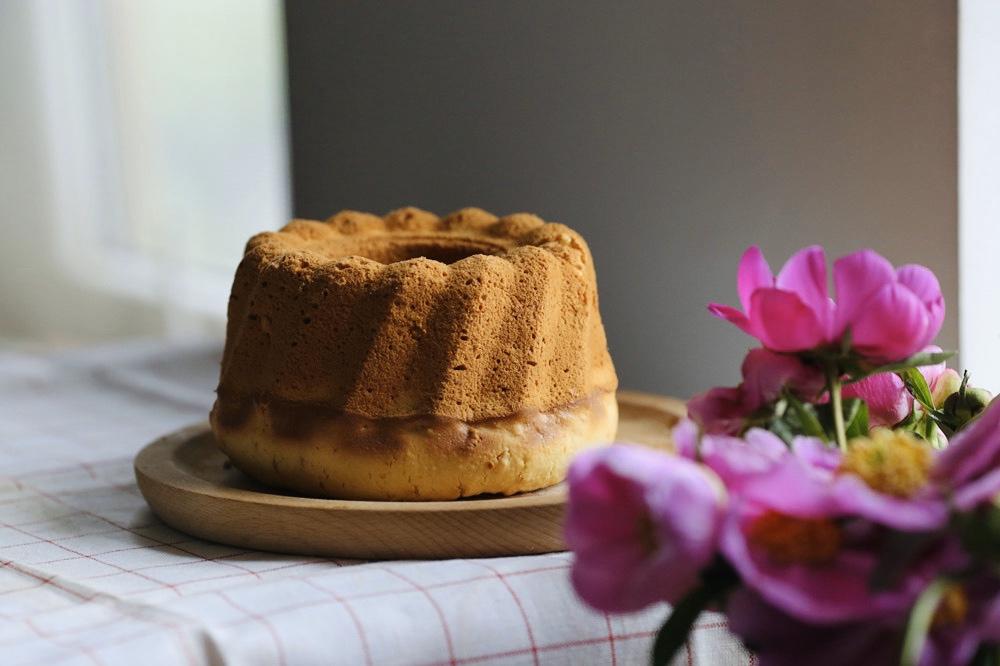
192 487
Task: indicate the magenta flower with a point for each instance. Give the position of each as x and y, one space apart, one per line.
970 466
642 524
779 639
721 410
966 617
890 314
766 375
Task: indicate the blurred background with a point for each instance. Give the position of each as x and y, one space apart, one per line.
142 142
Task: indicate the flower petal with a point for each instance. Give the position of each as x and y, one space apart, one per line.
977 492
817 455
719 410
888 400
836 592
902 514
753 274
736 460
733 316
766 374
892 324
925 286
973 452
784 322
641 523
856 277
804 274
778 639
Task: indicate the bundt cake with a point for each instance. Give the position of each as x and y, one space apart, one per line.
413 357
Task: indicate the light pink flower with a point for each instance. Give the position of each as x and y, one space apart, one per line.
733 459
886 396
642 524
890 314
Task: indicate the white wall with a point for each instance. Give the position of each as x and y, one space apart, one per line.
979 190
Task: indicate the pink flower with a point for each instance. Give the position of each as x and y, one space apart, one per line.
804 539
766 375
886 396
642 524
970 466
733 459
890 314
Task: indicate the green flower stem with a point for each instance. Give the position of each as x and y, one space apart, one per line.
834 386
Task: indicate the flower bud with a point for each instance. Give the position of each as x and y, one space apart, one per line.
963 406
949 382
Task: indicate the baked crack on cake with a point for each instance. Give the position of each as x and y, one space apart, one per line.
412 357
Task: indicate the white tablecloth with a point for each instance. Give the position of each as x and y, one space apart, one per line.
89 575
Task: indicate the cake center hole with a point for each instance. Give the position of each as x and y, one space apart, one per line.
445 250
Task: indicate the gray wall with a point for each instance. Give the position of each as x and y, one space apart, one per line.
671 134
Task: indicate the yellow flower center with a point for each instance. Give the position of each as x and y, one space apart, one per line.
889 461
953 608
792 540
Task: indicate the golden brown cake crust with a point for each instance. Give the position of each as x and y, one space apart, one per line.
469 317
416 458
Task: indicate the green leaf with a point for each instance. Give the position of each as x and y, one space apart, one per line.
716 581
855 417
674 632
780 428
857 426
988 654
979 532
916 361
919 622
915 383
808 422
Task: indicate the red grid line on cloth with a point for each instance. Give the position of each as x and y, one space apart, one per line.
132 531
172 544
55 584
160 586
582 642
392 593
80 555
113 621
611 640
199 560
362 637
520 607
278 645
437 609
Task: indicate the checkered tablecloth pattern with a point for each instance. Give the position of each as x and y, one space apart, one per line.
88 574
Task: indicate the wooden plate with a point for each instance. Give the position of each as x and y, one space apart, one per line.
192 487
